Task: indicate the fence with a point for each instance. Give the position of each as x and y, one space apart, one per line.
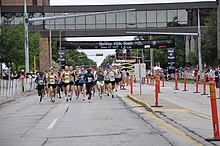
11 88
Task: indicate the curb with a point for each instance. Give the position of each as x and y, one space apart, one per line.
145 104
25 94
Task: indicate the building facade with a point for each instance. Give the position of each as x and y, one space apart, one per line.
21 2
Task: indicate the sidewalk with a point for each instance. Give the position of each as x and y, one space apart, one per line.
4 100
191 111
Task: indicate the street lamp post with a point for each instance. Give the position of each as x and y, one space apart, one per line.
60 47
199 47
26 38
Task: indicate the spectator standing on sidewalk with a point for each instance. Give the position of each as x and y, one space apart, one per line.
22 77
216 77
14 75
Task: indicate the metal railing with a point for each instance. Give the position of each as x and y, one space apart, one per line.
11 88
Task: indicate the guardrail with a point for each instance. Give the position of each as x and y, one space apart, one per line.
11 88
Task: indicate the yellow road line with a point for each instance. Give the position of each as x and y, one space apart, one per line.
193 111
163 123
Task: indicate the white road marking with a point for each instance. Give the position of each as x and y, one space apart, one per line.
52 124
67 105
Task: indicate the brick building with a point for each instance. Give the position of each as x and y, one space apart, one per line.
21 2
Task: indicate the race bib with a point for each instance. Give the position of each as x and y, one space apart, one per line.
89 79
41 82
52 81
67 79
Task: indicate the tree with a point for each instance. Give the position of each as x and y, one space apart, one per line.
209 39
109 59
193 57
72 56
12 50
160 55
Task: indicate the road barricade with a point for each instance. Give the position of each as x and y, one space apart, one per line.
176 81
184 83
214 111
123 83
11 88
157 92
204 85
197 84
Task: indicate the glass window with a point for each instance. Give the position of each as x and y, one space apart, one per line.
131 19
141 19
161 16
70 26
80 22
172 15
151 16
90 26
37 15
70 20
110 20
120 20
90 19
60 26
161 24
49 23
151 24
182 15
90 22
100 21
59 21
19 20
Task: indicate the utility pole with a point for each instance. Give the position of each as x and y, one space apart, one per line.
60 48
199 47
26 38
50 43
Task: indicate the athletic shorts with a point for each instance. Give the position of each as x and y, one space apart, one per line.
39 87
52 85
71 83
107 82
117 80
101 83
120 79
94 83
112 82
81 84
77 83
59 85
65 84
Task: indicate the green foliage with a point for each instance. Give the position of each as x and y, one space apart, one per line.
72 56
12 50
193 57
108 59
160 55
209 39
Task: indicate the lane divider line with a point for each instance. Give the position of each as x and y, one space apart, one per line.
52 124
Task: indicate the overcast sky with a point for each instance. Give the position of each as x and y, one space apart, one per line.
106 2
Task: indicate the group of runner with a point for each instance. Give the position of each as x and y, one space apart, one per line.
80 81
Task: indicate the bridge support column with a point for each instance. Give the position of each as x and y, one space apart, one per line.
218 31
44 57
189 46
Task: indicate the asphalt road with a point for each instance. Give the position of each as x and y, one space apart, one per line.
104 122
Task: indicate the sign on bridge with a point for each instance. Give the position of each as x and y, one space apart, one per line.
116 44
